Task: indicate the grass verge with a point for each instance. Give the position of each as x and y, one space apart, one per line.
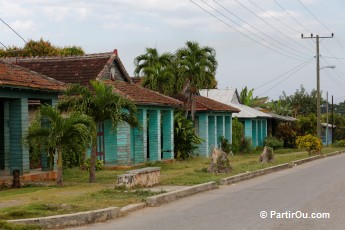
78 195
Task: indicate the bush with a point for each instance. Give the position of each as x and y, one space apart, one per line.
237 135
185 139
340 143
246 145
309 143
274 142
99 165
287 133
224 144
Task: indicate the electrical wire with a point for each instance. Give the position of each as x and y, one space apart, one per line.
265 22
228 25
3 45
280 21
14 31
322 24
281 75
280 43
305 64
282 8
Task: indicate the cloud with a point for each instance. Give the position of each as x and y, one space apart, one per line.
126 26
23 25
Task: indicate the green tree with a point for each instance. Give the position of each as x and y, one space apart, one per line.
60 133
40 48
198 66
237 134
185 139
101 103
156 70
160 72
247 98
278 107
302 103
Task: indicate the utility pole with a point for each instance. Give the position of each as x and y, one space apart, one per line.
332 119
318 94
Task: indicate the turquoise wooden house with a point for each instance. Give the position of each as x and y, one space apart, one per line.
17 87
212 120
254 121
125 145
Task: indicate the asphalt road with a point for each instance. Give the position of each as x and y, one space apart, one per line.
315 187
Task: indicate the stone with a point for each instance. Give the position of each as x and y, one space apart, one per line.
145 177
266 155
220 162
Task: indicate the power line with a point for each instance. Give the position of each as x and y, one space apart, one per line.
280 21
3 45
281 75
305 64
266 22
281 7
13 31
284 45
326 27
227 24
313 15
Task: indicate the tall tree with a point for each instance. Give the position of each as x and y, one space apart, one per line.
302 102
247 98
157 71
198 66
59 133
101 103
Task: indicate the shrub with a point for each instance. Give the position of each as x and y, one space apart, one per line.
237 135
99 165
340 143
287 133
309 143
246 145
274 142
224 144
185 139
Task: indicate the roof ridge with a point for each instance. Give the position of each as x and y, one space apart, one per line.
33 72
57 58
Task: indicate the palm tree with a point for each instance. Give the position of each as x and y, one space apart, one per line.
157 71
60 133
198 66
247 98
101 103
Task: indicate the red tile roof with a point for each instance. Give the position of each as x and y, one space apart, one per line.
207 104
82 69
74 69
142 96
16 76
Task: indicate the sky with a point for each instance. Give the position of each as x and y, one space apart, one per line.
258 43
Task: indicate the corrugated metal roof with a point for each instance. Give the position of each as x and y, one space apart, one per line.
229 97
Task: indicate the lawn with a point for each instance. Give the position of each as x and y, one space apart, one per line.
78 195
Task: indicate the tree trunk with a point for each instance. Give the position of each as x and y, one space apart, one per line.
59 169
193 106
92 178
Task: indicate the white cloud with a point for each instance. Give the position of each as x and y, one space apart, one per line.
23 25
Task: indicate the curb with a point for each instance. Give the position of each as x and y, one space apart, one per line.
89 217
75 219
249 175
131 208
305 160
334 153
164 198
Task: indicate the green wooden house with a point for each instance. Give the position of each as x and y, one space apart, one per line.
125 145
17 87
254 121
212 120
